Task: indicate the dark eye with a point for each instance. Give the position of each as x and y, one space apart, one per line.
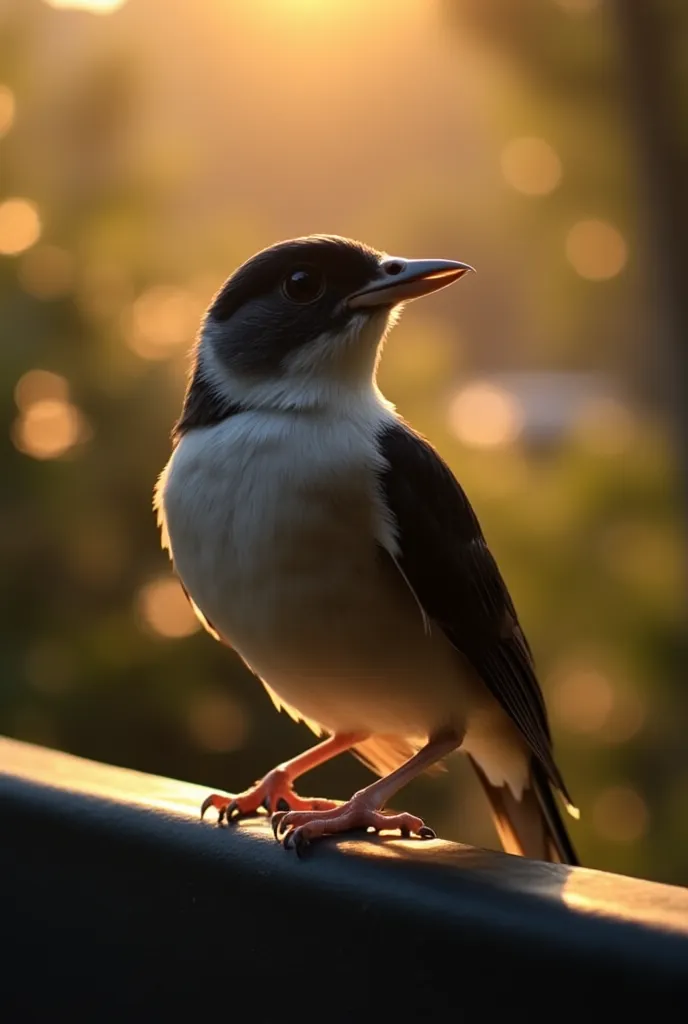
305 284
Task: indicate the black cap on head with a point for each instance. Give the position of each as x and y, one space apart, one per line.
286 296
315 268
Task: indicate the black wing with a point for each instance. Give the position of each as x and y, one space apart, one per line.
447 563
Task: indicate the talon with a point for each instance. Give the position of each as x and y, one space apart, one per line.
425 832
208 802
300 842
405 833
287 839
273 793
276 821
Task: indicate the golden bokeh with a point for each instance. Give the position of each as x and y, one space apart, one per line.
39 386
163 609
7 109
582 699
626 719
46 271
484 415
531 166
48 429
217 722
20 226
620 814
596 249
93 6
162 319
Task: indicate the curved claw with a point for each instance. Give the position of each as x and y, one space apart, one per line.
233 812
425 832
212 801
276 821
299 842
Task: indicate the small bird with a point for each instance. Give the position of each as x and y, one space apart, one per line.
325 541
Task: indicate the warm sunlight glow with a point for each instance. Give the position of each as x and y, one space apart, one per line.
164 609
20 226
217 723
582 699
48 429
94 6
46 272
162 318
626 720
531 166
605 426
620 814
596 250
578 6
7 109
586 700
483 415
39 386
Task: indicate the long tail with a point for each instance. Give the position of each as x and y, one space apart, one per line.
532 826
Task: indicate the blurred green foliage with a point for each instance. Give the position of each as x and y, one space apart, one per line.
163 144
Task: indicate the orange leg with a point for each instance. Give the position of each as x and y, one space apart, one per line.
363 810
276 786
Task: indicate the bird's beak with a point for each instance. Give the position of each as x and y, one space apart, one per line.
401 280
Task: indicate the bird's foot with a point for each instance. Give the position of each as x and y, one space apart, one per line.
298 829
272 792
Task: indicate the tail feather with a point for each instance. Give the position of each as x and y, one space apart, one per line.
532 826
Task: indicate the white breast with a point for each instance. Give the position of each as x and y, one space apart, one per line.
274 524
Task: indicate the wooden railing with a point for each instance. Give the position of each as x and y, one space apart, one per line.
119 904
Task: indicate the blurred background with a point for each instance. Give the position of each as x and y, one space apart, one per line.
148 147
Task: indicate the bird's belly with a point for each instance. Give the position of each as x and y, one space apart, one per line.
351 656
333 637
287 568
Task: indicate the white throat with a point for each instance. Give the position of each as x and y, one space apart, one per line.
327 374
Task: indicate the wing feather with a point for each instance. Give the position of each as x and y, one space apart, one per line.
445 559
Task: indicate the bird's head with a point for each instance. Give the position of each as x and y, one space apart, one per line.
304 319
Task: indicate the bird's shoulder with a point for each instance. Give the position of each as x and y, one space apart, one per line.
435 521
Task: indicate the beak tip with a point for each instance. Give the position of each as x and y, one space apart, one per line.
410 279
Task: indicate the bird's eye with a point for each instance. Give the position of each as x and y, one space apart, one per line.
305 284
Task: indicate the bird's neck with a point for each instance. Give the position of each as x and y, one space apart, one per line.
214 395
204 404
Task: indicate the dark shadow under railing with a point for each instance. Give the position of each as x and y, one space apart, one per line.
119 904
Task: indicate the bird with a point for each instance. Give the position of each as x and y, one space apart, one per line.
329 544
